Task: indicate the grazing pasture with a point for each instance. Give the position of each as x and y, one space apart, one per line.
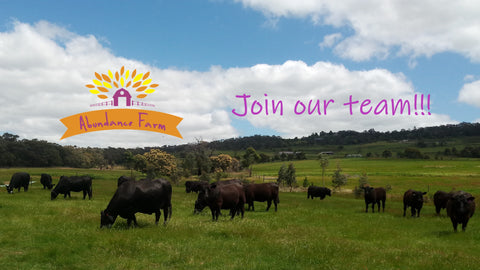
37 233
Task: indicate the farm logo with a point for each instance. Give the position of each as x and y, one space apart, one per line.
121 88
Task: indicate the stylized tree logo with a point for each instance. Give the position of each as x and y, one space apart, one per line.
102 85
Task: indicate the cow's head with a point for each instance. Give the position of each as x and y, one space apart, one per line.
461 202
9 189
368 190
50 186
200 203
328 192
417 197
53 195
106 220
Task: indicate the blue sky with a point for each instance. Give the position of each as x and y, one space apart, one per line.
312 49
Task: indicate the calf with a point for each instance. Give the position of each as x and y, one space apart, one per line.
375 196
145 196
413 199
460 208
440 199
314 191
195 186
262 192
66 184
18 180
229 196
46 181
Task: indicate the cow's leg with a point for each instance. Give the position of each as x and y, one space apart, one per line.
418 212
233 212
158 214
455 224
366 207
275 203
90 193
65 195
404 209
383 206
242 208
373 207
84 194
413 211
464 225
378 206
25 188
134 220
269 203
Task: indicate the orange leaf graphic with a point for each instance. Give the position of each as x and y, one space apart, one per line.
106 78
141 96
98 76
140 89
116 84
90 86
128 84
137 84
103 89
134 73
102 96
117 76
146 75
122 70
153 85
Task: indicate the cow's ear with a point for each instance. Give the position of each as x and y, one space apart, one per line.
471 199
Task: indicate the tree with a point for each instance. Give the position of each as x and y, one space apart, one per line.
324 164
286 175
249 158
387 153
156 163
338 179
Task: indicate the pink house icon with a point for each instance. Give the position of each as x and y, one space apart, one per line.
122 93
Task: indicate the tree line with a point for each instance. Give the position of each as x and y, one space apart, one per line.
196 158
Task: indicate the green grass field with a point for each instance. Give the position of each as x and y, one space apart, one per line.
336 233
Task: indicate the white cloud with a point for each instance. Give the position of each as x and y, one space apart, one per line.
470 94
381 28
44 69
330 40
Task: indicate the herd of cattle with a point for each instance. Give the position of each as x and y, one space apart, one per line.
151 196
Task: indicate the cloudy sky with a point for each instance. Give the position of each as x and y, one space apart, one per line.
207 55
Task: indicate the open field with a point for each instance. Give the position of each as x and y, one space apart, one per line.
37 233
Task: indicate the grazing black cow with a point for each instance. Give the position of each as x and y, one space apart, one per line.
123 179
440 199
145 196
46 181
413 199
314 191
66 184
195 186
18 180
223 196
460 208
262 192
375 196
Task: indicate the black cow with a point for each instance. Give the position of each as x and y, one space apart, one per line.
375 196
413 199
223 196
145 196
440 199
18 180
195 186
460 208
262 192
314 191
46 181
66 184
123 179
